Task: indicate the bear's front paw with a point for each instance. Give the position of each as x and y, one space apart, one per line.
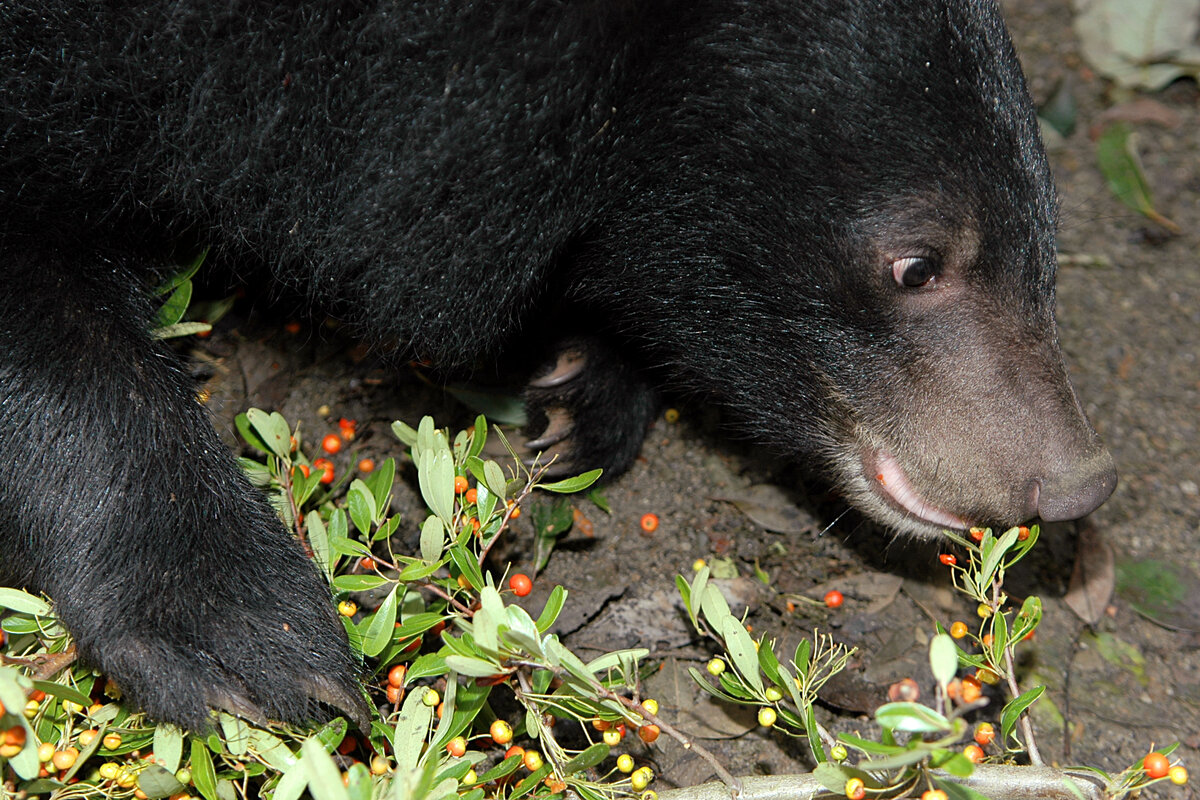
258 648
587 408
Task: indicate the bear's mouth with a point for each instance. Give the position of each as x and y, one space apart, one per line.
887 479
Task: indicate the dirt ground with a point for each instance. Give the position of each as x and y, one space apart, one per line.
1129 310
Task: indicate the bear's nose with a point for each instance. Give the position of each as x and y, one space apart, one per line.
1075 493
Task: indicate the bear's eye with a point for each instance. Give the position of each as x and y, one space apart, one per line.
914 272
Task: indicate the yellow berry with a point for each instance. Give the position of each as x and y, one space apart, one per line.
470 777
1178 775
46 751
109 770
856 789
716 666
959 629
651 705
625 763
347 608
533 760
773 694
983 610
641 778
767 716
71 707
431 697
612 737
111 741
379 765
699 564
31 709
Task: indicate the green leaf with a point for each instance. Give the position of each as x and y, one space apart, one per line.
182 276
1013 708
435 474
956 791
23 603
380 483
576 484
473 667
433 538
894 761
869 746
63 692
587 759
506 767
955 763
1028 618
770 666
358 583
623 659
361 504
168 746
242 423
175 306
408 738
494 479
741 649
404 433
181 329
271 749
911 717
943 658
1117 156
813 735
478 438
204 777
380 626
467 565
801 656
554 605
324 778
832 777
157 781
273 430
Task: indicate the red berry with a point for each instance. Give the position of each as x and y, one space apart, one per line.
331 443
948 559
520 584
460 484
1022 533
649 523
1156 765
366 465
974 753
292 327
326 467
834 598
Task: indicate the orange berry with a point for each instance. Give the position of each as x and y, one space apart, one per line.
367 563
1022 533
934 794
973 752
904 691
471 495
834 598
954 690
111 741
948 559
394 695
533 760
304 470
976 534
972 690
514 509
520 584
65 759
515 750
649 522
326 467
985 734
501 732
648 733
366 465
987 640
1155 765
959 629
856 789
601 724
292 327
331 444
460 484
456 746
396 675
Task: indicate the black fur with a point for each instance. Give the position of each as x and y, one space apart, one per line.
728 193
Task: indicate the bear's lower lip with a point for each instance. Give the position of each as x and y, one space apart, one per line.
888 479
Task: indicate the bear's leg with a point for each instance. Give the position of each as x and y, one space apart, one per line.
590 407
118 500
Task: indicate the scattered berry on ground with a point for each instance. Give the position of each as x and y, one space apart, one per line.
366 465
332 443
834 598
649 522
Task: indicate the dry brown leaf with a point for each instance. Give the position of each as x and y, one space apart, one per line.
1093 578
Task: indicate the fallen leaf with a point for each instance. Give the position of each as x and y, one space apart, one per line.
772 508
1142 44
1165 592
1092 578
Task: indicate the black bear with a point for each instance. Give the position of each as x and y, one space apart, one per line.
834 218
